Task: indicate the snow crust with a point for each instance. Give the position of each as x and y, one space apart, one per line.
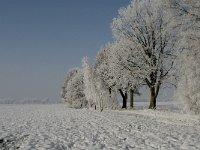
58 127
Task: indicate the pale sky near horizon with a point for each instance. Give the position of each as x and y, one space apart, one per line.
40 40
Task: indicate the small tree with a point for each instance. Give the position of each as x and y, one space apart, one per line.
102 67
125 80
105 70
68 77
112 74
95 90
73 89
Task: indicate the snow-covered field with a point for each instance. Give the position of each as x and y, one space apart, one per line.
57 127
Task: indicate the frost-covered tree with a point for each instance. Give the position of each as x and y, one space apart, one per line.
188 91
187 9
95 89
102 67
113 75
68 77
89 83
187 12
145 36
104 70
73 89
124 79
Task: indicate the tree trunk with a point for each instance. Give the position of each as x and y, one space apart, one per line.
101 105
124 97
131 98
153 98
110 92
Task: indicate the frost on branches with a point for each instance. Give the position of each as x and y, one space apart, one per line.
72 91
95 90
145 39
106 68
188 91
124 79
152 39
102 67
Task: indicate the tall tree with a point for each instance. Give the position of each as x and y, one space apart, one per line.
145 37
187 12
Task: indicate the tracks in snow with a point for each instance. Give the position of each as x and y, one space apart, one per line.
58 127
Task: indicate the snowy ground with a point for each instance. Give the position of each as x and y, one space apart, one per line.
57 127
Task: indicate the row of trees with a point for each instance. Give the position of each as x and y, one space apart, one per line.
152 39
84 88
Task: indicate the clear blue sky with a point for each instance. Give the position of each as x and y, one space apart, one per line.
41 39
